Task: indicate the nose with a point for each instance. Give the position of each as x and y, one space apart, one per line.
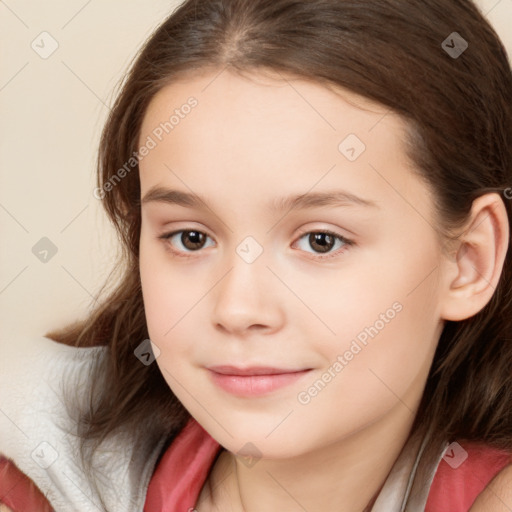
247 300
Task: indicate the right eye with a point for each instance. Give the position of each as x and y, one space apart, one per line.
186 240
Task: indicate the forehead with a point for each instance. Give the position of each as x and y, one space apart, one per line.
269 132
266 96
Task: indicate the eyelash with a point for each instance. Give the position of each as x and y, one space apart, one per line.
347 243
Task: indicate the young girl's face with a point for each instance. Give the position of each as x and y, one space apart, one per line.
286 323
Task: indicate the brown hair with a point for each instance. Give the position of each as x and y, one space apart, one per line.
459 116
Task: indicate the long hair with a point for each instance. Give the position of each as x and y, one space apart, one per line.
401 54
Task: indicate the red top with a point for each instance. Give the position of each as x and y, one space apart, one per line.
186 463
18 492
189 458
455 487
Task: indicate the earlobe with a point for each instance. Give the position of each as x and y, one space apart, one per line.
473 275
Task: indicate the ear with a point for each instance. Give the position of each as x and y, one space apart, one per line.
474 272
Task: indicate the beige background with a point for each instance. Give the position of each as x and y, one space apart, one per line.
52 111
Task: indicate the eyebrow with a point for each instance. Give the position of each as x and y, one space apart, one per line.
294 202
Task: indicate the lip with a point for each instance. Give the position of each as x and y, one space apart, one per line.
255 380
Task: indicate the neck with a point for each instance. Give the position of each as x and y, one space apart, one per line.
344 476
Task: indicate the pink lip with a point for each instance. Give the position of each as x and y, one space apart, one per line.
253 381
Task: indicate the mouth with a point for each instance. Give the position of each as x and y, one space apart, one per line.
254 381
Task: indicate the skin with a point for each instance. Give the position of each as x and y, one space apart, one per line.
497 496
249 141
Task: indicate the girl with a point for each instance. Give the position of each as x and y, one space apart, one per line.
315 306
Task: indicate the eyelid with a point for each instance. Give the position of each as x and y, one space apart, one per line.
305 231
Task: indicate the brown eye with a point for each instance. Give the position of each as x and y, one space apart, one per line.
321 242
185 240
192 240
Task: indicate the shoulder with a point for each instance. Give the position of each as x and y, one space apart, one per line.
29 358
43 392
32 377
497 496
36 431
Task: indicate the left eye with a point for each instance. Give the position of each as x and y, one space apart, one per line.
324 241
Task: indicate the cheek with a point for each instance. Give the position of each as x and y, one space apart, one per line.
175 301
386 320
166 294
381 359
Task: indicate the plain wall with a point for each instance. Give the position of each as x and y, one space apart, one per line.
52 111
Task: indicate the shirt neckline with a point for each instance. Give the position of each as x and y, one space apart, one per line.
184 467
